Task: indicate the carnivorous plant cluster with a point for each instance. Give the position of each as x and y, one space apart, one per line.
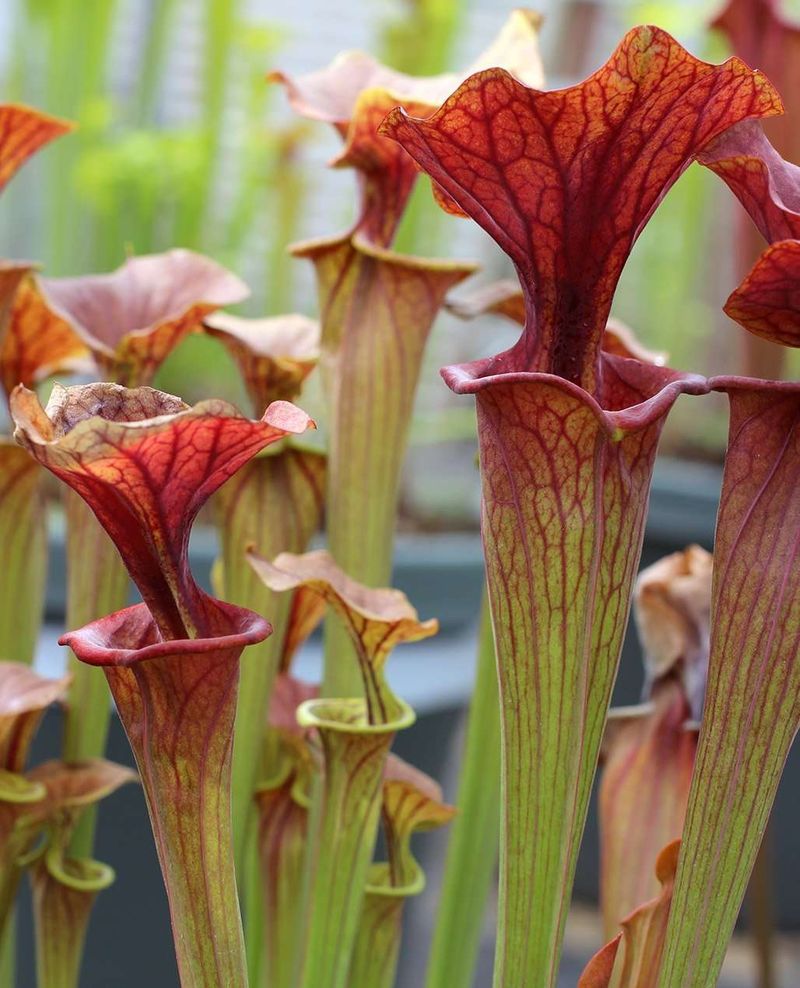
266 793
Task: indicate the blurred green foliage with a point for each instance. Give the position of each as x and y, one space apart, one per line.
132 178
142 174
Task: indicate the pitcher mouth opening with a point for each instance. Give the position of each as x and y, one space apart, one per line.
632 391
130 636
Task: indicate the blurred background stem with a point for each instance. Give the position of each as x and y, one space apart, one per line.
471 861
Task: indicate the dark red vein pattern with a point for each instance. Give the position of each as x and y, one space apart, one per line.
177 702
354 93
766 302
377 308
386 174
565 181
14 841
412 801
752 708
146 463
565 489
